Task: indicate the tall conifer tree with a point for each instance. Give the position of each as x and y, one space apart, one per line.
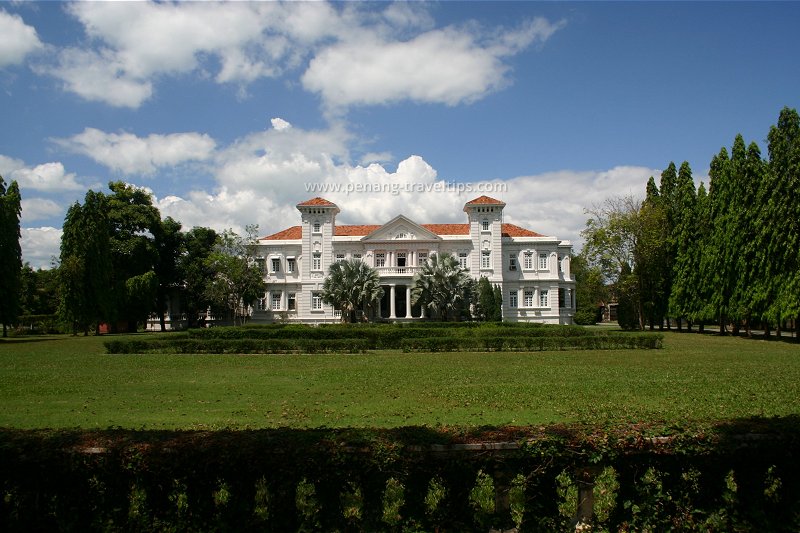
86 270
687 252
10 254
718 251
781 238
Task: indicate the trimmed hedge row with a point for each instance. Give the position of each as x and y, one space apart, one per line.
184 345
532 344
236 346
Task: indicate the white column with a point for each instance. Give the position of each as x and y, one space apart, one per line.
408 301
391 301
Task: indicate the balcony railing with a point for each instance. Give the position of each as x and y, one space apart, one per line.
398 271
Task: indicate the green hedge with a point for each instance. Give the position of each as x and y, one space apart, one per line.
236 346
532 343
390 339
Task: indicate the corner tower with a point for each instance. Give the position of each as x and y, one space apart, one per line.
485 216
318 217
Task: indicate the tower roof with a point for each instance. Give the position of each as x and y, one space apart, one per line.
317 202
484 200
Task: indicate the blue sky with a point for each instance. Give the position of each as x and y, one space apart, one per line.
230 113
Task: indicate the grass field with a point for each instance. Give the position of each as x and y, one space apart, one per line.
68 382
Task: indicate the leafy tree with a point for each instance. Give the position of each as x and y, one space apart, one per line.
140 292
85 271
686 236
590 291
628 308
10 253
699 310
168 241
237 279
441 286
351 285
780 220
719 252
651 254
195 271
39 291
669 203
490 301
747 173
134 222
497 315
612 236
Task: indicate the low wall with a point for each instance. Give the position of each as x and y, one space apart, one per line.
740 475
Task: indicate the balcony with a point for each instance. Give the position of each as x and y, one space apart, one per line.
397 271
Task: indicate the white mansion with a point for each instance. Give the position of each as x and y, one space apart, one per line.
532 269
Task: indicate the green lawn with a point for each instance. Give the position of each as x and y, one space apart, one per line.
66 382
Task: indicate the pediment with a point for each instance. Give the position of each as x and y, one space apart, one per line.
401 228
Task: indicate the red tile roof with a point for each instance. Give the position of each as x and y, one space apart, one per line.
318 201
355 230
512 230
447 229
295 232
361 230
484 200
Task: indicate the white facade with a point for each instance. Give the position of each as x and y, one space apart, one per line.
532 270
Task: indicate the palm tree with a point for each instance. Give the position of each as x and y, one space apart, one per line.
441 285
351 284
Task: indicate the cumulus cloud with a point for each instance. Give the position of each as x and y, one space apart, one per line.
279 124
129 154
554 203
99 76
17 39
445 66
132 43
47 177
353 54
276 162
34 209
40 246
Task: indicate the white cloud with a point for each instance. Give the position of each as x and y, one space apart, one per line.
17 39
129 154
354 54
34 209
47 177
279 124
132 43
40 245
277 162
99 77
376 157
9 165
554 203
446 66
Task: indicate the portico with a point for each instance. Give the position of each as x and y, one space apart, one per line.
396 302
